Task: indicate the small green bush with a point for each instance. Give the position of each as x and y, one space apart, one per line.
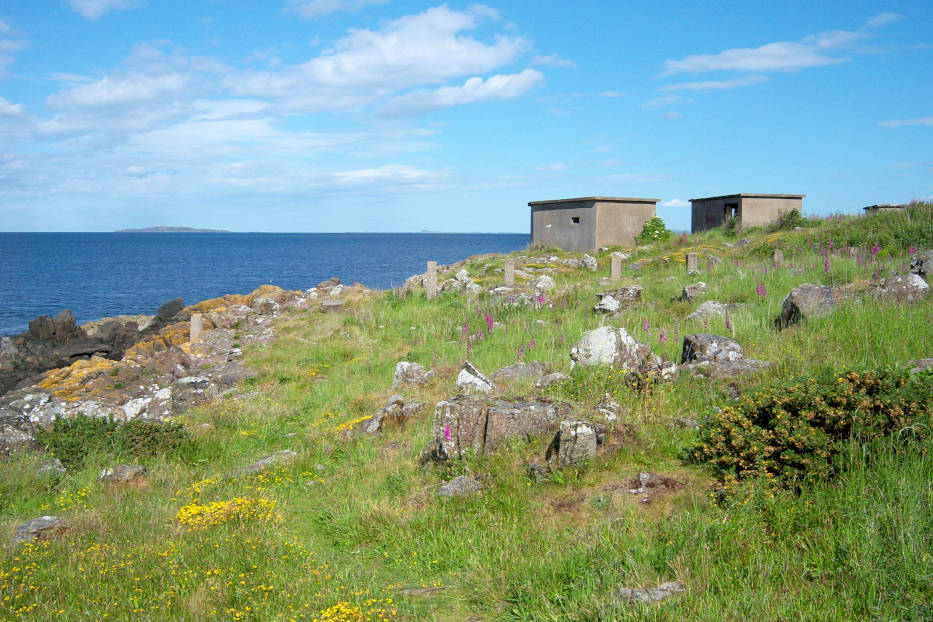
788 220
793 429
731 227
654 231
73 440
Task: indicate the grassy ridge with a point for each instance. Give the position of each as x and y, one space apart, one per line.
355 520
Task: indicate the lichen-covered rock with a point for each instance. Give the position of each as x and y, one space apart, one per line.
589 262
607 304
53 467
692 291
543 283
708 347
521 371
904 288
190 391
709 309
609 408
477 424
726 370
549 379
608 345
124 475
407 373
806 301
922 264
398 410
42 528
280 457
650 594
170 309
576 443
471 379
460 486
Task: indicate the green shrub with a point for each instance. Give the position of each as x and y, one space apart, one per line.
793 429
654 231
73 440
788 220
731 227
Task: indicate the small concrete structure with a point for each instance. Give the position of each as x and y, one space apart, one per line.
874 209
615 266
509 269
430 280
586 223
693 262
749 209
196 328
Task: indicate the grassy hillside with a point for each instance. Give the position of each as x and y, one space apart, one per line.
353 528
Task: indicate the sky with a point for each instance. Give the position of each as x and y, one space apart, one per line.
397 115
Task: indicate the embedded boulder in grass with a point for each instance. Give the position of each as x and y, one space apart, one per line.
806 301
576 443
408 373
460 486
124 476
708 347
650 594
521 371
398 410
466 423
42 528
471 379
905 288
922 264
608 345
280 457
607 304
692 291
710 309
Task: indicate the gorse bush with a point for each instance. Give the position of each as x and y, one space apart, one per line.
654 231
793 429
73 440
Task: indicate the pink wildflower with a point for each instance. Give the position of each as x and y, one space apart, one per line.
489 321
875 249
646 325
826 265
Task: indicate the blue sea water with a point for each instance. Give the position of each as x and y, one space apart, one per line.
104 274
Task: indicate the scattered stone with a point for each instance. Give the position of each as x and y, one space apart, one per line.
55 467
576 443
42 327
647 483
905 288
607 304
609 346
333 306
708 347
170 309
266 306
628 294
609 408
280 457
42 528
777 259
710 309
537 472
190 391
690 292
549 379
397 410
805 301
459 487
922 264
407 373
543 283
125 475
13 439
521 371
589 262
466 423
727 370
420 591
650 594
471 379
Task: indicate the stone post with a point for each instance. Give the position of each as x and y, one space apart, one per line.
778 260
430 280
509 273
615 266
196 327
693 260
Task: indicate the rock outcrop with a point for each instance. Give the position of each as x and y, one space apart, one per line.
806 301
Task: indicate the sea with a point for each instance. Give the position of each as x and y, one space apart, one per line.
100 275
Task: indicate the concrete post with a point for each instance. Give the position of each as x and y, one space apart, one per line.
509 273
197 327
615 266
778 260
430 280
693 260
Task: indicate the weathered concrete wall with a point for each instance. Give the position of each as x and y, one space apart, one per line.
762 211
619 223
553 225
708 213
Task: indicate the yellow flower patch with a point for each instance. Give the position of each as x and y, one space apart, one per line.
196 516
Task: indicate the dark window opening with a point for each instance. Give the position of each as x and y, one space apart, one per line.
575 219
731 210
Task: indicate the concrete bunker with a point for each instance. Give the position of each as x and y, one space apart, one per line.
587 223
749 210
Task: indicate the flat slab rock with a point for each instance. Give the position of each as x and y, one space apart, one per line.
904 288
280 457
460 486
42 528
521 371
709 347
650 594
124 475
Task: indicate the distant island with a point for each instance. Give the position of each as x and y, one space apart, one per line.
164 229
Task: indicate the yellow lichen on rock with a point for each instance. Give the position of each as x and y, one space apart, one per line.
65 382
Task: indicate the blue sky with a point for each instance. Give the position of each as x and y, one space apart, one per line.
390 115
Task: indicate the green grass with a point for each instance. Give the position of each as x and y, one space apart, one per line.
356 519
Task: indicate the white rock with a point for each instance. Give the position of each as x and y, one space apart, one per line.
470 379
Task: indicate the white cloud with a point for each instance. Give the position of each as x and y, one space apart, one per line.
675 203
5 27
389 173
109 91
907 122
612 94
366 65
665 100
494 88
553 166
309 9
673 114
715 85
93 9
812 51
553 61
9 109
